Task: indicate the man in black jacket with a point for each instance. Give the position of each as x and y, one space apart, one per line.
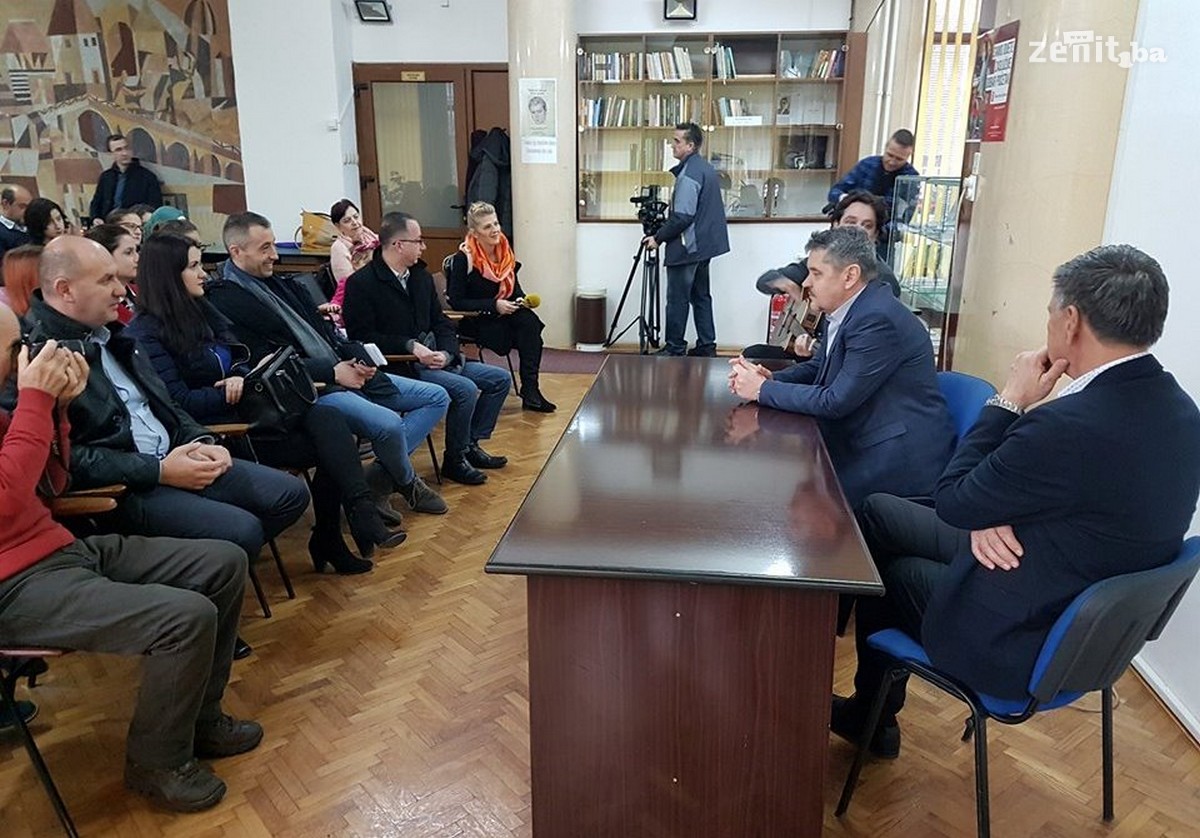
125 428
392 302
1036 506
268 311
125 183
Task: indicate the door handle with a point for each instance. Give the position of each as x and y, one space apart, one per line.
365 181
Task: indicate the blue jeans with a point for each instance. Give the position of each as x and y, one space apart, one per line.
392 435
477 393
688 284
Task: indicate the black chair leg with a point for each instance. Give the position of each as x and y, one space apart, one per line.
258 592
864 741
437 469
7 688
982 813
283 574
513 374
1106 743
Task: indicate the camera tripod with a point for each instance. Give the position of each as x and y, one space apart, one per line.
647 321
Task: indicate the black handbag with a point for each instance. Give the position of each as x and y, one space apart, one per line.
277 393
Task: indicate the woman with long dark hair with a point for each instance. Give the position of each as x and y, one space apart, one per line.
194 351
352 248
44 220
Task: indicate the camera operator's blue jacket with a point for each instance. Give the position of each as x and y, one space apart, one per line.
695 230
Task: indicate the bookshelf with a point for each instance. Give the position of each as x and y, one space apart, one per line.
780 112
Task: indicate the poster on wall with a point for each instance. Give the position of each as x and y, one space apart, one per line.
539 124
159 72
991 81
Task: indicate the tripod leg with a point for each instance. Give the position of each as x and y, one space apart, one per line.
612 328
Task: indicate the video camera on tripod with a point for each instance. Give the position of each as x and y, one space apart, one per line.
652 212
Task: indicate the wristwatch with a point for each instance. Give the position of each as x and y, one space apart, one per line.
999 401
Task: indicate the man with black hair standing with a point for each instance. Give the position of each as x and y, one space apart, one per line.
125 183
695 232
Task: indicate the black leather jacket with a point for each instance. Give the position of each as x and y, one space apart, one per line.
102 448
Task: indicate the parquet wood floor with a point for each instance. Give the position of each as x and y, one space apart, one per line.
395 704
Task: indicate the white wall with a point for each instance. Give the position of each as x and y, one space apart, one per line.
1151 208
435 31
293 115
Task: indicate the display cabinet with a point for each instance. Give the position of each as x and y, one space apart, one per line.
921 248
781 116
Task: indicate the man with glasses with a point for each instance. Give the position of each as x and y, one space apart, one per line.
269 311
393 303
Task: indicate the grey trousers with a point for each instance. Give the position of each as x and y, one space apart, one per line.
176 602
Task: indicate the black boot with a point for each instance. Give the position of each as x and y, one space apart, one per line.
532 399
368 530
328 548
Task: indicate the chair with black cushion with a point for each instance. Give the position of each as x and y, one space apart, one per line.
965 396
465 337
1088 649
241 431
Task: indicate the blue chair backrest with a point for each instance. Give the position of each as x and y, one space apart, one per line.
1094 640
964 395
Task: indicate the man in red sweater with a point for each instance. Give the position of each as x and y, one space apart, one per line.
175 602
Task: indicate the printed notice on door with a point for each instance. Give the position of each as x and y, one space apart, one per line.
539 123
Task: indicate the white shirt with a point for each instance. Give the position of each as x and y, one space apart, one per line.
836 317
1087 378
12 225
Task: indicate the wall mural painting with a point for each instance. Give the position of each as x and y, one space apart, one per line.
158 71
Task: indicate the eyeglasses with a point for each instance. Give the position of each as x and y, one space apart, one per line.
420 242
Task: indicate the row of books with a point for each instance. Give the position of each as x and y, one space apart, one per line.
667 65
822 64
655 111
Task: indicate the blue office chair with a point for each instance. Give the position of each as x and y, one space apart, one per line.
1088 649
965 395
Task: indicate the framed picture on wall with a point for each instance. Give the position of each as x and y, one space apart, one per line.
373 11
679 9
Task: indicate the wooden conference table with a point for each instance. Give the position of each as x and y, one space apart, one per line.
683 559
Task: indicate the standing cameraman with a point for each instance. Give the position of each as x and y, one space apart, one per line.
694 233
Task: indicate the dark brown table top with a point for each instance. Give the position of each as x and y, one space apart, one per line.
664 474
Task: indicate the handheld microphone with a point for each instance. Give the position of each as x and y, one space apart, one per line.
529 301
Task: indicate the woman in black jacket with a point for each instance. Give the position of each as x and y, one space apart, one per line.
483 277
193 350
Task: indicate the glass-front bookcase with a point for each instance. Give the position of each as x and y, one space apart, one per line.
781 116
925 220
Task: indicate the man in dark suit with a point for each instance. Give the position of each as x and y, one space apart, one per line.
392 302
1037 506
871 383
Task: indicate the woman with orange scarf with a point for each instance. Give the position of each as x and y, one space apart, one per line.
483 277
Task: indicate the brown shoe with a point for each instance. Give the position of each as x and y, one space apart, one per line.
190 787
226 736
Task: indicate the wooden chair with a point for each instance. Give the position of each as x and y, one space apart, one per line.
241 431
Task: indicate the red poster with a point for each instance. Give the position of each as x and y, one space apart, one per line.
991 83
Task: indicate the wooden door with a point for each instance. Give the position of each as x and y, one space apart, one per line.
414 129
